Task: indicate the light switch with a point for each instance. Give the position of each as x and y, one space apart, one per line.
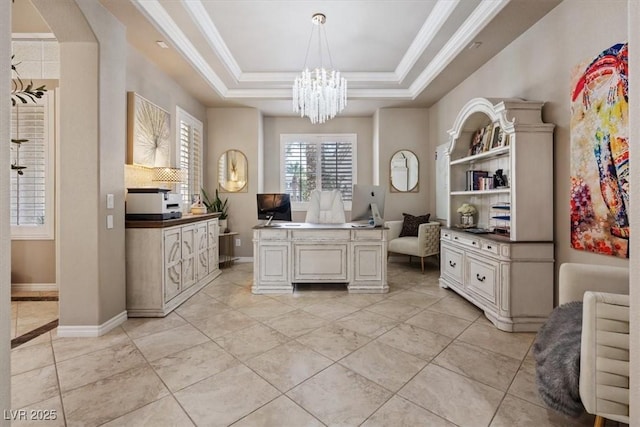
109 221
109 201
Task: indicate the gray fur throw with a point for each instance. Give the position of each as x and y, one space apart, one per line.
557 353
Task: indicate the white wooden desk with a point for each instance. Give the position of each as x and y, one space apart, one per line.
319 253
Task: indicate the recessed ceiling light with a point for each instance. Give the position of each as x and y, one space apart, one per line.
162 44
474 45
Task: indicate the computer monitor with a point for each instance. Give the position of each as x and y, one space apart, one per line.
368 203
274 206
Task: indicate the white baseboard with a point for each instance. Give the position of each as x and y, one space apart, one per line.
244 259
90 330
34 287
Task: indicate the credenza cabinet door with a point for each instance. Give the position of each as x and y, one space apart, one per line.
213 249
189 243
172 263
202 251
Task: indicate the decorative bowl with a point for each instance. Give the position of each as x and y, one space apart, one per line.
198 210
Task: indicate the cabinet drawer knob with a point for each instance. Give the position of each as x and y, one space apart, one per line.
480 279
452 264
455 238
489 247
473 243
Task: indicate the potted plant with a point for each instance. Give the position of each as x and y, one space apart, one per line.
217 205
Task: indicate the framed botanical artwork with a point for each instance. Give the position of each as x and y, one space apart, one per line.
148 133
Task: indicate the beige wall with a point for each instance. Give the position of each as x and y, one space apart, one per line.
405 129
33 261
528 69
149 81
239 129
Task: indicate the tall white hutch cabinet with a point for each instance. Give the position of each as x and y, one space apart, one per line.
505 263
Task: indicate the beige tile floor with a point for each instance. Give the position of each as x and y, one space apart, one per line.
28 315
417 356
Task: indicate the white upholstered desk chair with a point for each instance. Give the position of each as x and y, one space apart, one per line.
325 207
604 352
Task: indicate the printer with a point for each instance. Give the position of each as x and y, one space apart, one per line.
152 204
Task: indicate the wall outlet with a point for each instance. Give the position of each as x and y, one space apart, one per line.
238 242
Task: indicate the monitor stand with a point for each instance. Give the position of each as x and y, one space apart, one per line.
268 223
378 221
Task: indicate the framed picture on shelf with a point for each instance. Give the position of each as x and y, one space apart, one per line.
486 138
497 138
476 141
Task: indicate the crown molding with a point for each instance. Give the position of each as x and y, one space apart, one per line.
167 26
33 36
201 17
479 18
436 19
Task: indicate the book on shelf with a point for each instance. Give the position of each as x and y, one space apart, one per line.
474 180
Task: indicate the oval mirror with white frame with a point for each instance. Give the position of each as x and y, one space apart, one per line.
404 172
233 171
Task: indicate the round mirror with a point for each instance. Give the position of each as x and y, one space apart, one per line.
404 172
233 171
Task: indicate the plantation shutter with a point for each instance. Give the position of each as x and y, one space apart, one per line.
29 165
190 142
321 162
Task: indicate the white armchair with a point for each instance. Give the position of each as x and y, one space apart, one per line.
427 243
325 207
604 352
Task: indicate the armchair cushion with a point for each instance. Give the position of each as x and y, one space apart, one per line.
411 223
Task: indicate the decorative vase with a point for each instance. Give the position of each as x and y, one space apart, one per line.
222 223
466 220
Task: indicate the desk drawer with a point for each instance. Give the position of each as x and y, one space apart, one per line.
490 247
320 234
467 241
270 234
367 234
482 278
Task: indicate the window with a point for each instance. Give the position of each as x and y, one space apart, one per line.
317 161
189 155
32 175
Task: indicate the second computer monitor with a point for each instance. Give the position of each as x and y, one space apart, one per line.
368 203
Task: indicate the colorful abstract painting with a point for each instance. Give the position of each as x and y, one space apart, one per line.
600 154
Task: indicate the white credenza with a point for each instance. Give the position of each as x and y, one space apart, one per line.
169 261
319 253
511 281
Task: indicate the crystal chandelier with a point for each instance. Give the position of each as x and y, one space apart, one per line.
321 93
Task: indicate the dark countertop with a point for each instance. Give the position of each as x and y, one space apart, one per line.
186 219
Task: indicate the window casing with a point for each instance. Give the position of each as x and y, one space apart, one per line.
317 161
32 192
189 154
